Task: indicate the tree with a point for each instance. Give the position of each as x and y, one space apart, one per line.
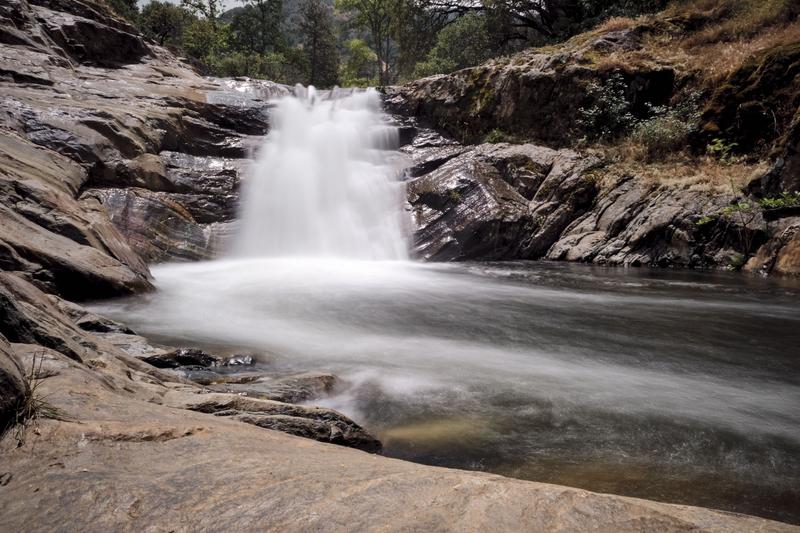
210 9
319 43
361 66
376 16
268 14
464 43
164 22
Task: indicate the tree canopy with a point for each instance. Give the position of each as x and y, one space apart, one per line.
361 42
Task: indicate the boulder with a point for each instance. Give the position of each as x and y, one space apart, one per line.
498 202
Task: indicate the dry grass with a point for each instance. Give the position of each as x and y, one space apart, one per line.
682 170
734 31
616 24
35 405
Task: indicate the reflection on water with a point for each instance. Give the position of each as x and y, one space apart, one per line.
681 387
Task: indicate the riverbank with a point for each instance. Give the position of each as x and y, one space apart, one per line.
116 448
113 162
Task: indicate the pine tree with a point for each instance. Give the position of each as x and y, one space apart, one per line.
319 44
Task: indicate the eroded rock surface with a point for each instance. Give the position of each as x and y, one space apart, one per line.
522 201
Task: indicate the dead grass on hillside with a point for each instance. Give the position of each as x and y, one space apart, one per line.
682 170
736 30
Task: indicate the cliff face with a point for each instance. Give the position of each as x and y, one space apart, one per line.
103 139
556 194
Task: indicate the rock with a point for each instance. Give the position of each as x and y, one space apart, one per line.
498 202
87 40
325 425
757 104
781 254
28 316
13 387
515 93
158 227
288 389
182 357
88 321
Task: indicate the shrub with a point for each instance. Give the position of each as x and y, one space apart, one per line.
497 136
722 150
463 43
785 199
669 128
609 114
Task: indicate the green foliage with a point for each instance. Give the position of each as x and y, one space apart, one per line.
705 220
455 196
784 200
361 65
609 114
498 136
319 44
164 22
722 150
463 43
203 39
376 17
668 129
257 27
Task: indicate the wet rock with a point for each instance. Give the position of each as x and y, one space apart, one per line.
28 316
781 254
158 227
88 321
288 389
182 357
89 40
498 202
325 425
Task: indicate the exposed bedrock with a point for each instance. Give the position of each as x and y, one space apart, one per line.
503 201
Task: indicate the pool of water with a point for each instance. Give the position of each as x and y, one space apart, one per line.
675 386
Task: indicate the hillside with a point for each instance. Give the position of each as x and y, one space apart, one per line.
691 114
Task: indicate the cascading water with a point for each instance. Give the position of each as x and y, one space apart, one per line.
325 183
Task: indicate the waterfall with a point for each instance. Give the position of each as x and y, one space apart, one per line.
325 182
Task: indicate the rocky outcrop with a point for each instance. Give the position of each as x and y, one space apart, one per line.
535 94
501 201
148 142
757 108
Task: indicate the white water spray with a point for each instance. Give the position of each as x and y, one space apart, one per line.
325 183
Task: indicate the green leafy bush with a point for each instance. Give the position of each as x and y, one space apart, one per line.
668 129
462 43
498 136
785 199
722 150
609 115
